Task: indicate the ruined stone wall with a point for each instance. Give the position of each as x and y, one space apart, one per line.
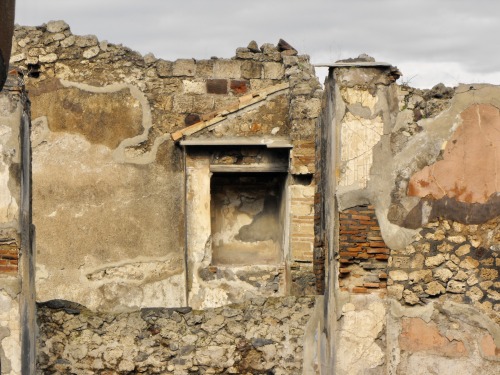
109 185
260 336
414 156
16 301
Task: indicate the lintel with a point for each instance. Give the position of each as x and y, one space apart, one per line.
231 168
360 64
239 141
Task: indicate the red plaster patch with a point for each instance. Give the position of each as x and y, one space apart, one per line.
418 336
470 169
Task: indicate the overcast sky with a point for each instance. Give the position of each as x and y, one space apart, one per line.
430 41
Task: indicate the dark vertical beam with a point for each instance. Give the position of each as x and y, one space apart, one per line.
7 12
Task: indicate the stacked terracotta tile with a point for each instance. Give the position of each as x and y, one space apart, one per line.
9 256
363 253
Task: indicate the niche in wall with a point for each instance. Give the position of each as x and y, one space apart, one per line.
247 218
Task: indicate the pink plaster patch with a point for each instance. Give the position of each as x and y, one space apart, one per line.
470 168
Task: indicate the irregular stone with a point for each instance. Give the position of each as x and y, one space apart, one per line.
68 42
395 291
462 250
253 47
86 41
488 274
410 297
456 239
91 52
474 293
434 288
461 276
435 260
422 275
444 247
57 26
443 274
455 287
398 275
469 263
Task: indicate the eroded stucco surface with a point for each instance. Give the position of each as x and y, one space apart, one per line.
470 166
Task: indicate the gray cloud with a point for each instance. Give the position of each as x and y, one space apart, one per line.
398 31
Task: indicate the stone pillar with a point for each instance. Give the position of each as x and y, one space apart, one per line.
16 267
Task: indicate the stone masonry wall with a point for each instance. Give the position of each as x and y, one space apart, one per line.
261 336
450 259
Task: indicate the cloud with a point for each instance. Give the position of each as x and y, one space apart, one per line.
406 33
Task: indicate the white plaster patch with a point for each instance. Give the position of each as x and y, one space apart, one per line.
8 204
363 97
357 349
11 344
358 137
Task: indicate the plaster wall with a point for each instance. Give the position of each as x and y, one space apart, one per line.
443 248
109 179
11 111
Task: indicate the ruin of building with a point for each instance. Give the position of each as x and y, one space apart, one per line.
233 216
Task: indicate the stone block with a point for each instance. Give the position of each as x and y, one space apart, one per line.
205 68
183 103
251 69
217 86
273 70
184 67
164 68
203 104
227 69
238 86
194 87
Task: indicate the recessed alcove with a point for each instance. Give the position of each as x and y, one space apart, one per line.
247 218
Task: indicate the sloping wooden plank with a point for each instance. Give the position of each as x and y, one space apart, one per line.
244 101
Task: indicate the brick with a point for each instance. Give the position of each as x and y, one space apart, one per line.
358 289
367 222
238 86
371 285
377 244
361 217
381 257
217 86
378 250
344 270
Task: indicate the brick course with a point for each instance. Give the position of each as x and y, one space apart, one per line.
9 256
363 254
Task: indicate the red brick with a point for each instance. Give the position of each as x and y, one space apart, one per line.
8 269
361 217
358 289
342 260
378 250
382 275
367 222
217 86
381 257
371 285
238 86
377 244
344 270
